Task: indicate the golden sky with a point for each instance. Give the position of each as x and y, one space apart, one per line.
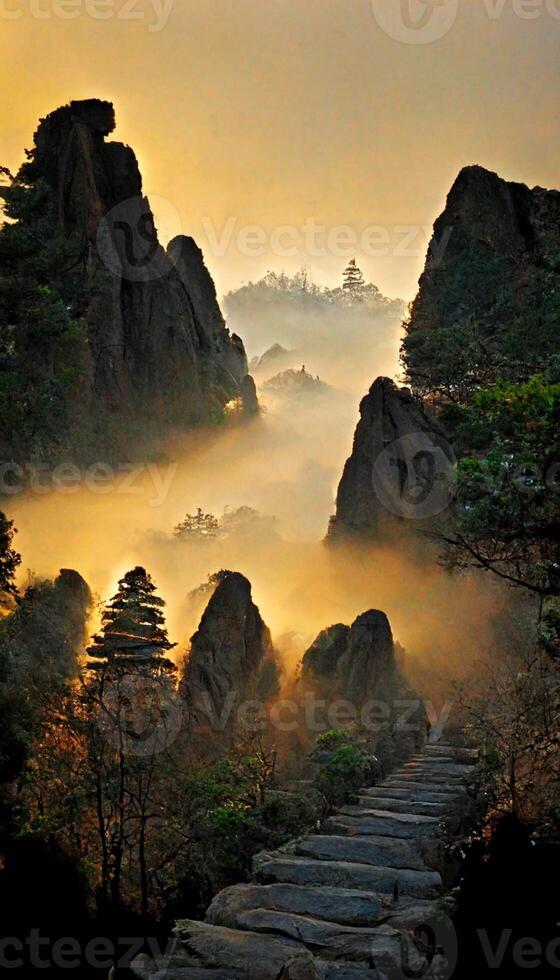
268 113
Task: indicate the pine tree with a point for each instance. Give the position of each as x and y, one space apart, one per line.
352 278
133 632
9 559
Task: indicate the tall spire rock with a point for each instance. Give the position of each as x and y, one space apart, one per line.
231 658
157 351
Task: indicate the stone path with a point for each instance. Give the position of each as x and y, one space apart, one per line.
341 904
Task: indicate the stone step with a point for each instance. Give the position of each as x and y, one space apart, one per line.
327 939
429 776
389 804
425 785
451 770
367 821
391 852
253 954
342 905
406 792
457 752
440 760
340 971
170 969
345 874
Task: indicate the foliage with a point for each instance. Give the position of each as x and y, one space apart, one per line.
40 645
476 320
197 527
514 718
507 510
345 767
9 557
331 739
43 341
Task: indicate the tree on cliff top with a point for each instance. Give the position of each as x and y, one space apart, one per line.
133 629
197 526
353 278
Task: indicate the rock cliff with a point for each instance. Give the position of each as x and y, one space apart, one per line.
399 466
158 351
489 300
231 658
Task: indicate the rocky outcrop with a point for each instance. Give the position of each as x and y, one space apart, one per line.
356 900
358 664
492 267
231 658
400 467
159 351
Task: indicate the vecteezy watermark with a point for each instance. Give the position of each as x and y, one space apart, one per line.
318 241
409 716
415 21
40 952
140 715
151 479
427 948
127 240
527 952
414 476
427 21
155 12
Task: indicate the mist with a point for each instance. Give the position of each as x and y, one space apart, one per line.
285 465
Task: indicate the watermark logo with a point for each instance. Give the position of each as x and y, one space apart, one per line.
426 948
415 21
155 13
414 476
140 715
151 480
127 240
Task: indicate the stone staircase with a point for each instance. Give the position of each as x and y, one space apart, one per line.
341 904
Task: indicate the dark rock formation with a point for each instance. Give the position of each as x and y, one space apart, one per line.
399 467
231 657
368 664
321 659
360 659
248 394
359 665
159 350
46 633
492 272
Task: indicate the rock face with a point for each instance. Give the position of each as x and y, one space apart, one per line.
399 467
357 662
159 349
492 262
231 657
